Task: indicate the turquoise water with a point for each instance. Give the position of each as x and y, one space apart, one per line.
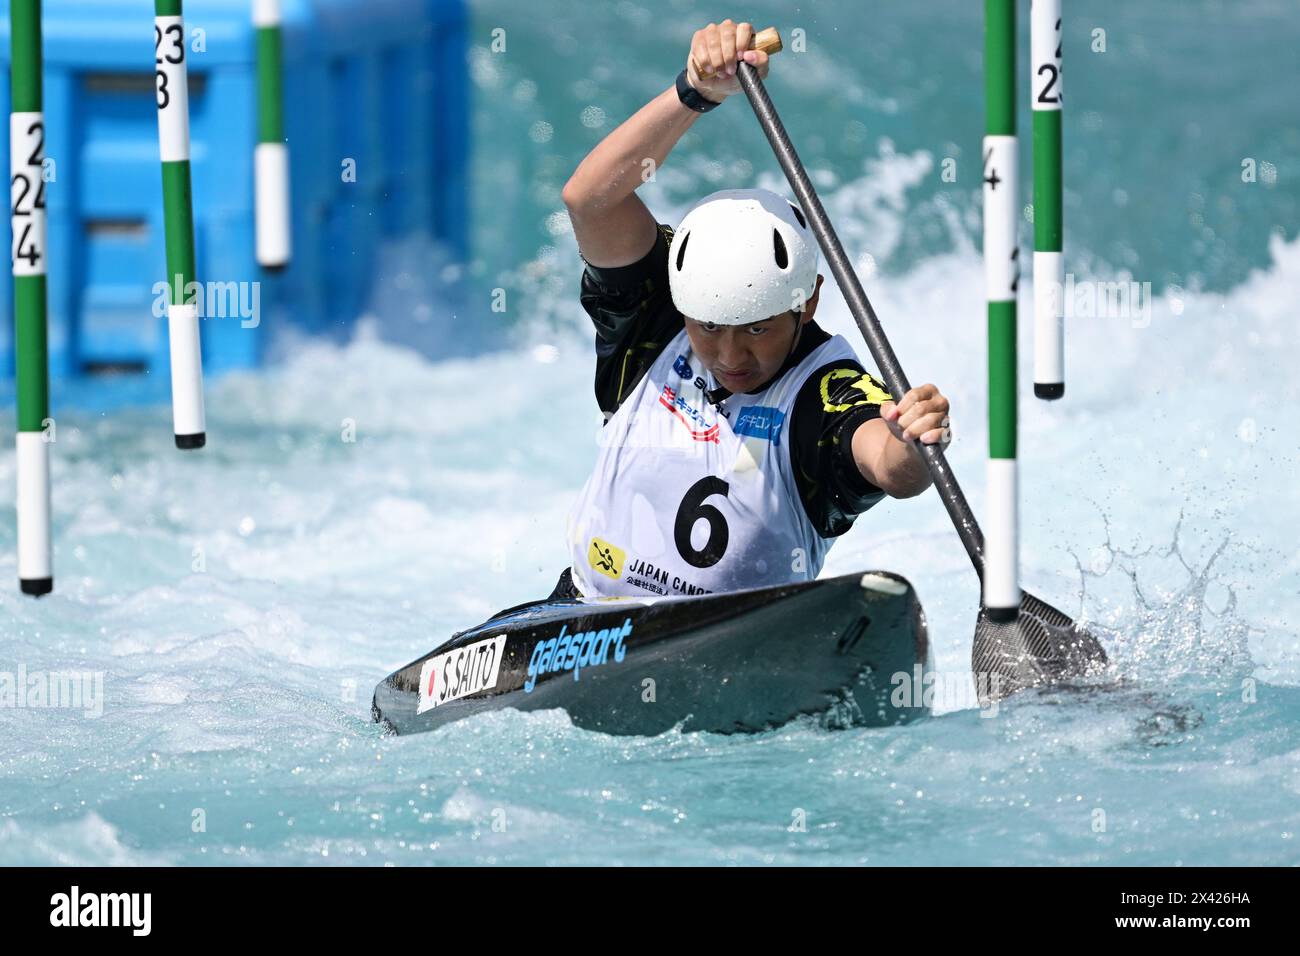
242 603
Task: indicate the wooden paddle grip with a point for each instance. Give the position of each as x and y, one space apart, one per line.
769 41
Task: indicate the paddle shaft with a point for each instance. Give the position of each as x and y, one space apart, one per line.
865 316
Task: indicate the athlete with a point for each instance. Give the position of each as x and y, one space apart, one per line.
740 439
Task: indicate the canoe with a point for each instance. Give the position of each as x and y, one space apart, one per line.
736 662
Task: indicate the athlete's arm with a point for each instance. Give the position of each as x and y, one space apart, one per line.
832 405
885 448
611 223
625 283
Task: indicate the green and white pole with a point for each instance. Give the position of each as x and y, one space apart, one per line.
1049 264
27 219
1002 275
271 156
178 217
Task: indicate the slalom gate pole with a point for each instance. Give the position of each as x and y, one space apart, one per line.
27 219
1002 275
1049 264
271 155
178 215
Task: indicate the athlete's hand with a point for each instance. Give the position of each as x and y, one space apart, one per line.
923 414
717 49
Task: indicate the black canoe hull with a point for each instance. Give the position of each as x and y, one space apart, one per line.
743 661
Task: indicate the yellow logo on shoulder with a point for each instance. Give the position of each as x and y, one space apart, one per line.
606 558
873 391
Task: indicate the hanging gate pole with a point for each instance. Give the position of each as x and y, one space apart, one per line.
1049 264
27 219
1002 275
271 155
178 217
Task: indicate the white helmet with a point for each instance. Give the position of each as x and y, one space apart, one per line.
741 256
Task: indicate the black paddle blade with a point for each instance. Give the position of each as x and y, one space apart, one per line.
1041 646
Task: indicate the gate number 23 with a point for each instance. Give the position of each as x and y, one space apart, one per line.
175 55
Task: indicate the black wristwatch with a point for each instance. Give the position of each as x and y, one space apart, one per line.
690 97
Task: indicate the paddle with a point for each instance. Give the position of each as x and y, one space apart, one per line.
1040 645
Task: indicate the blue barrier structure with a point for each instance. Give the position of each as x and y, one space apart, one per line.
382 84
